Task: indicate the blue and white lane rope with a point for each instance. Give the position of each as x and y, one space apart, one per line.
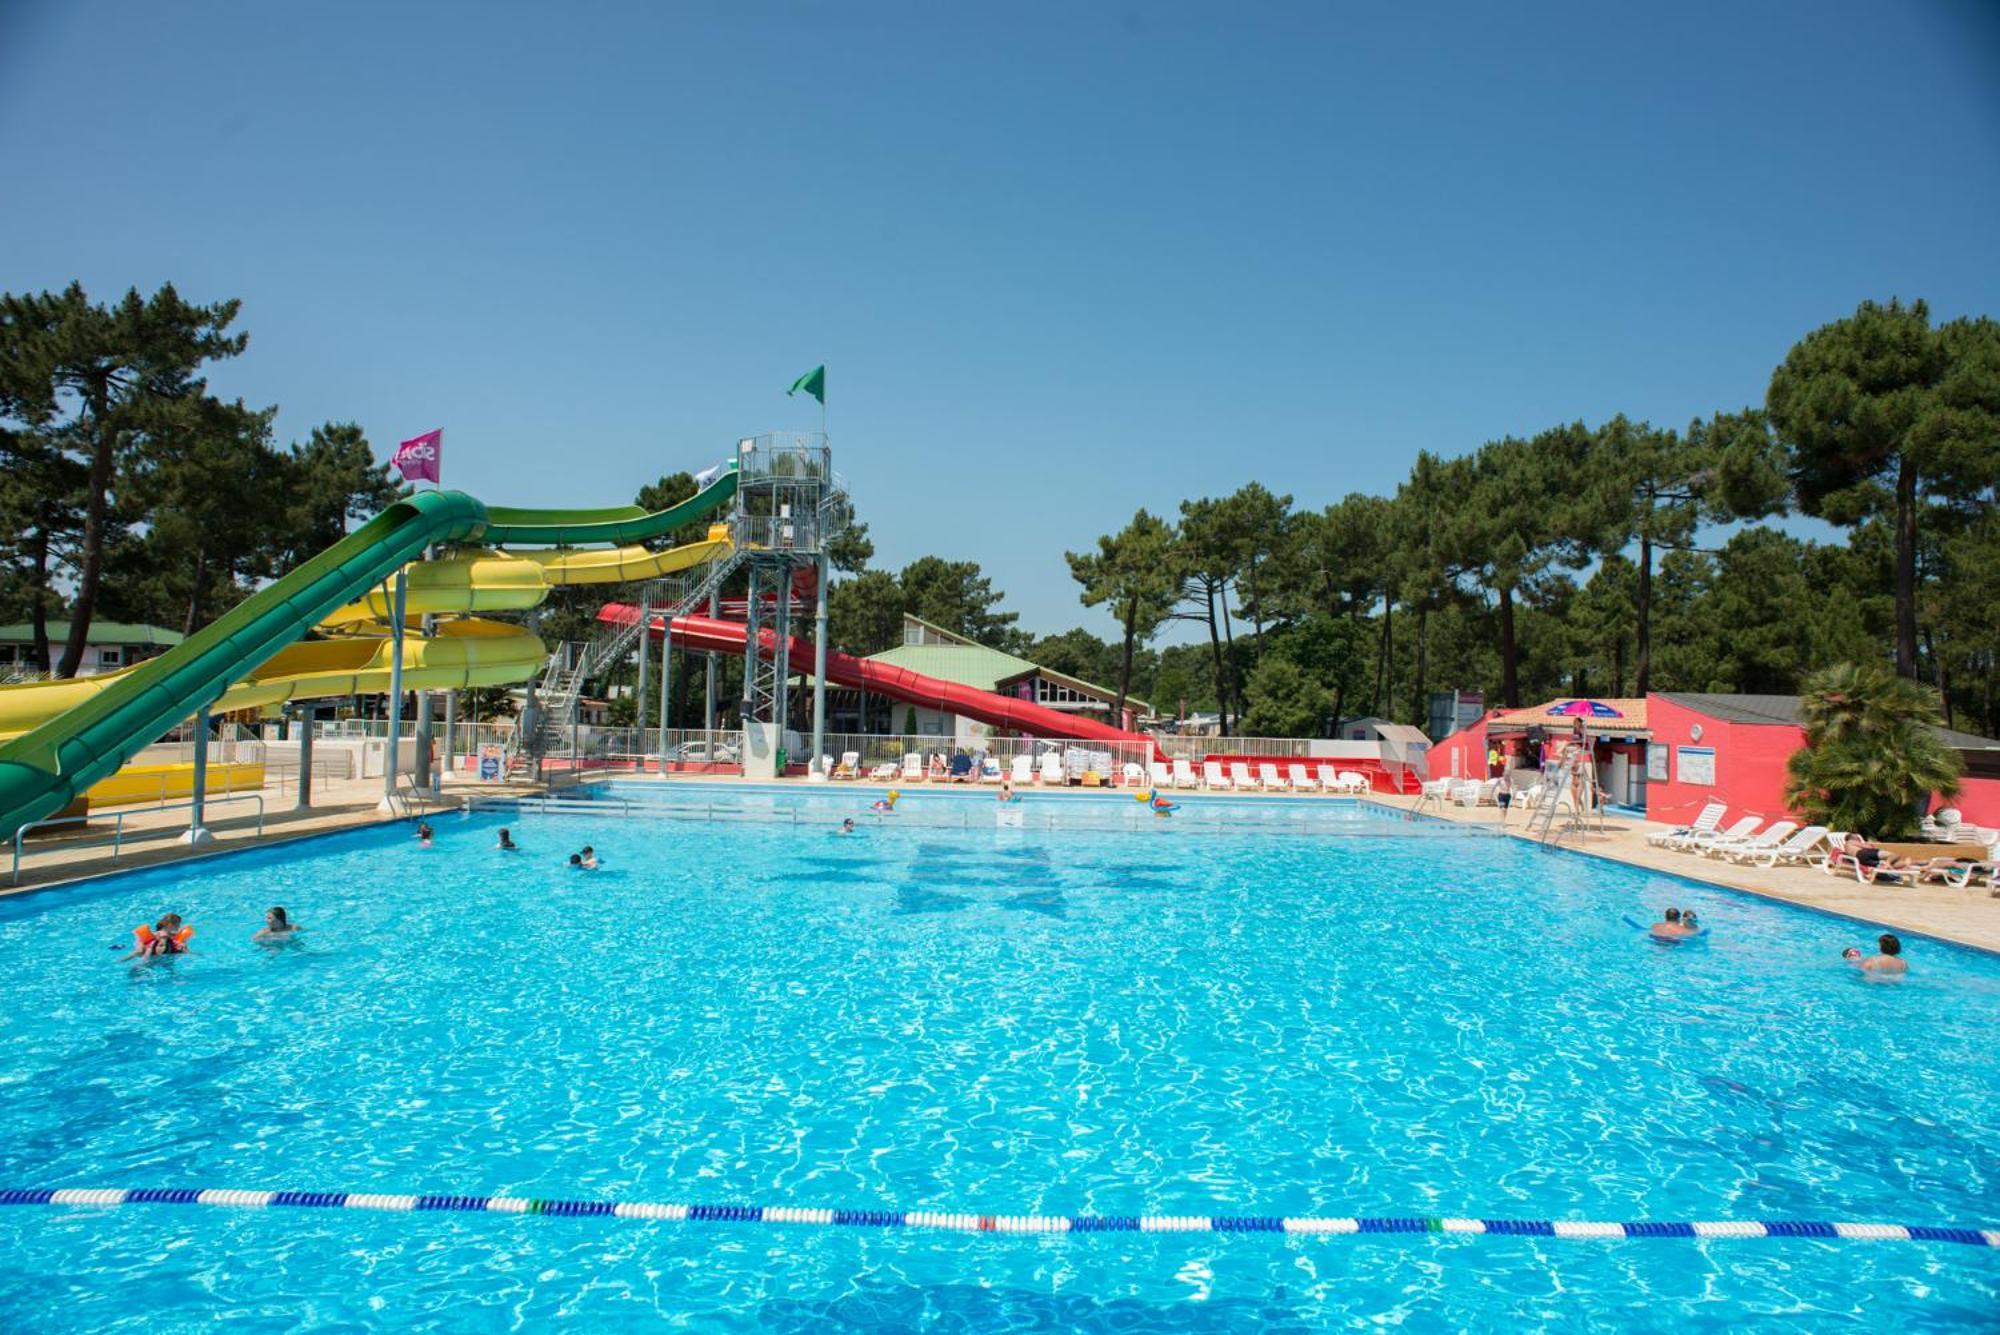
1000 1223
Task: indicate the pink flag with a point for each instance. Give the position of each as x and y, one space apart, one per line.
418 456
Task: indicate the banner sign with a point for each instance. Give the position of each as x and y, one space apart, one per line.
1696 765
418 458
492 762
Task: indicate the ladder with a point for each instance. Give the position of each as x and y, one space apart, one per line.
575 662
1571 778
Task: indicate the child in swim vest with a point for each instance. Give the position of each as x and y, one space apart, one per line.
165 937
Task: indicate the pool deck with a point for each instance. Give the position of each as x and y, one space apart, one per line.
1970 916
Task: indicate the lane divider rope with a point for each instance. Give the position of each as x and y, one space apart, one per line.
997 1223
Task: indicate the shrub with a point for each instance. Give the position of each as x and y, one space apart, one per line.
1871 755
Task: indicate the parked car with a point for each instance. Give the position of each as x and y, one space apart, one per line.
709 753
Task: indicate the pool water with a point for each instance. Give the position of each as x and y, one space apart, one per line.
1327 1016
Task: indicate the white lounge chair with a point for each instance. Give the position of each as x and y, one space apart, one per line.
1352 781
1052 769
1161 775
1801 847
1211 775
1239 775
849 766
1705 823
1023 770
1739 830
883 772
913 768
1771 836
1301 780
990 771
1269 779
1184 775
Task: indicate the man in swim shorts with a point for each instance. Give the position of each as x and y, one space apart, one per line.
1890 962
1670 927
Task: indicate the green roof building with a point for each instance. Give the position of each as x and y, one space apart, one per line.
112 645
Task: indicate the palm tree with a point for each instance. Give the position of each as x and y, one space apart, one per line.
1872 754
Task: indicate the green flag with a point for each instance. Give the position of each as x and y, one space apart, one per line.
812 382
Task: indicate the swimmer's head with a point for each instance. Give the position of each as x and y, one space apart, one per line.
576 859
169 923
1851 953
588 850
1673 915
275 917
1687 919
1889 944
847 824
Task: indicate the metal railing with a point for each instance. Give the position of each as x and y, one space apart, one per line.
117 839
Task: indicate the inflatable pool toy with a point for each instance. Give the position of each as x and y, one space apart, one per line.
1157 800
887 802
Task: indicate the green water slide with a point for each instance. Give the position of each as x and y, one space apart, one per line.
621 524
43 770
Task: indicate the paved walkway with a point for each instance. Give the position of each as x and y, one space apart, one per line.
1970 916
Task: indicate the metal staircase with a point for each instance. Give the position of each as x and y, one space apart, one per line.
573 663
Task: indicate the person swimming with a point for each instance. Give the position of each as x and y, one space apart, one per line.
1889 963
168 936
1006 790
277 927
846 826
507 844
589 858
576 862
425 834
1673 926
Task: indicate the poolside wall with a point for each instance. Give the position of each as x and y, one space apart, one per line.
1463 754
1749 763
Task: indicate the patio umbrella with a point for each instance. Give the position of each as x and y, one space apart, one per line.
1585 709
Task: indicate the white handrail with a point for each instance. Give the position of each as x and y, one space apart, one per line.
117 840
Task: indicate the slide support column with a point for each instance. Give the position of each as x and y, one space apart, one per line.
819 665
197 832
639 693
708 705
304 720
666 675
391 757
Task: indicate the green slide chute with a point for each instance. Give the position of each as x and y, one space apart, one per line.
44 770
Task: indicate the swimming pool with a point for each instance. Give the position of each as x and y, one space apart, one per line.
944 1014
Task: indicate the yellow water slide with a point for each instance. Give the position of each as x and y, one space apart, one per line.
460 653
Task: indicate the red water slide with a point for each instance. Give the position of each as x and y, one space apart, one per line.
702 633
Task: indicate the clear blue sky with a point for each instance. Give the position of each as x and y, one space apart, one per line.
1062 261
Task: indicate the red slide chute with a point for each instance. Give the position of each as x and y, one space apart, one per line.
702 633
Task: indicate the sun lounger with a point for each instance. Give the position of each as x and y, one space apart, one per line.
913 767
1269 779
883 772
989 770
1766 839
1161 776
1301 780
1052 769
1353 781
1211 775
1239 775
1801 847
1024 770
1705 823
1184 775
1694 843
849 766
960 770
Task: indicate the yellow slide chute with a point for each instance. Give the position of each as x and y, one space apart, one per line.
497 581
459 654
